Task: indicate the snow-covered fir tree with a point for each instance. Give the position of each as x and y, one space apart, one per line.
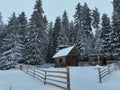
78 28
86 26
50 45
64 34
2 29
115 36
95 19
2 26
96 30
22 32
65 25
56 30
2 32
84 31
72 37
37 36
97 44
105 36
11 44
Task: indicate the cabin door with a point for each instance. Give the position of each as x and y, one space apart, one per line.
70 61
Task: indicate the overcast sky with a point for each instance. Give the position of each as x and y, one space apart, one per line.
52 8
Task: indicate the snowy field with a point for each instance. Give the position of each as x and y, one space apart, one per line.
82 78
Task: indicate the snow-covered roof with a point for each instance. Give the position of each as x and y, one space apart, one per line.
63 52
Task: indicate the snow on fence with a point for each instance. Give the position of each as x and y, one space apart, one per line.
59 79
103 72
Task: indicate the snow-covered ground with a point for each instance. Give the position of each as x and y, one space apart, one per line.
82 78
19 80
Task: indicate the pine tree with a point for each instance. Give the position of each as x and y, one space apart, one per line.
96 26
50 45
78 28
115 36
95 19
83 22
64 34
56 30
2 28
22 33
105 36
11 51
2 33
73 33
78 18
36 44
86 20
65 24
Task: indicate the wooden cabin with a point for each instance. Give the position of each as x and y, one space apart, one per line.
97 59
67 57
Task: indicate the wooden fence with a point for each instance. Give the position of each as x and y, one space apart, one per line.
59 79
107 70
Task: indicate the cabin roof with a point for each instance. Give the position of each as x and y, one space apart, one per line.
63 52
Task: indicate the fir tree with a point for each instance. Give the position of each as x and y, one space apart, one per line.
37 41
115 36
105 36
22 33
78 28
64 34
96 26
11 51
95 19
84 35
2 28
50 45
73 33
56 30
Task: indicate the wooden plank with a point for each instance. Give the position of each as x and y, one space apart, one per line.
39 72
40 69
57 85
105 75
39 79
57 76
39 76
30 71
104 70
56 80
57 72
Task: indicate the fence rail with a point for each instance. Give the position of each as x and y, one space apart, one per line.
49 77
107 70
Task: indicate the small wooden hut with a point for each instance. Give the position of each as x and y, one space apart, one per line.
67 57
97 59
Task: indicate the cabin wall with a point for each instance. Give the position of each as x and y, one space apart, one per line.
60 62
100 60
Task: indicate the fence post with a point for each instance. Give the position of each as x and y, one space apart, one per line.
34 73
109 69
45 77
115 67
99 75
27 69
68 78
21 67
